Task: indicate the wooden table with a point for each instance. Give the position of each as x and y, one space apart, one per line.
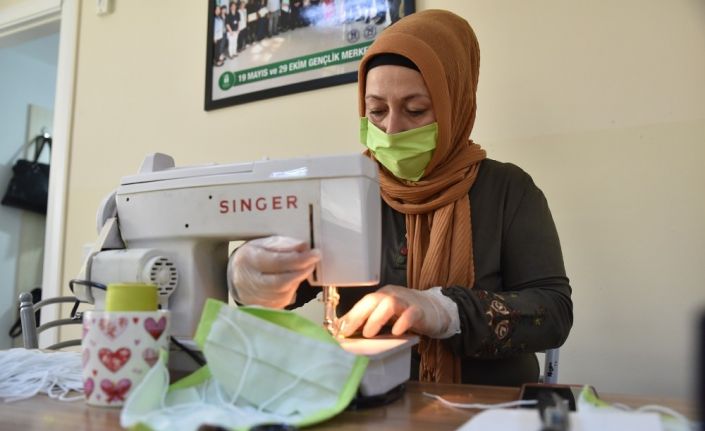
412 412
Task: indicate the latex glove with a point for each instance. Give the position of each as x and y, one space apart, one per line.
267 271
426 312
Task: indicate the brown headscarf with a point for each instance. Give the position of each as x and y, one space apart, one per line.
437 207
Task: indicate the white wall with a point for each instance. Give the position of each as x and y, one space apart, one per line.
602 102
27 76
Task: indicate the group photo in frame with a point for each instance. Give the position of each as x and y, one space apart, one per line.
259 49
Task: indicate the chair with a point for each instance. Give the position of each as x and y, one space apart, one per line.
550 367
30 331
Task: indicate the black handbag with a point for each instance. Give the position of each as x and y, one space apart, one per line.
29 185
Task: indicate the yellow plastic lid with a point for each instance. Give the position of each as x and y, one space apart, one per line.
131 297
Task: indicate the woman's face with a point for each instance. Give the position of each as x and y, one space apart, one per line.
396 99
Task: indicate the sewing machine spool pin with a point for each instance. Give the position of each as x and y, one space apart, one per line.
330 304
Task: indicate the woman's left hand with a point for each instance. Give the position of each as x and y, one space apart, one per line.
409 309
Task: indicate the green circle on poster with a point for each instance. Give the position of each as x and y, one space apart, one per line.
226 80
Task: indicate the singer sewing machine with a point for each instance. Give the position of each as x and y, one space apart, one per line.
172 226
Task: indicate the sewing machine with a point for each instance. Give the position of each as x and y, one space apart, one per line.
172 226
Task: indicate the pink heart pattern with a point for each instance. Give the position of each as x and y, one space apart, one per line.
155 328
112 329
150 356
114 360
88 386
115 391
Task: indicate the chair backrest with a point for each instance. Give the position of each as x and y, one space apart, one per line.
30 332
550 366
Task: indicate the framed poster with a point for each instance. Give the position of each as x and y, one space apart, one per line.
259 49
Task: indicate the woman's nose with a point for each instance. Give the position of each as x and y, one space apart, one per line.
395 123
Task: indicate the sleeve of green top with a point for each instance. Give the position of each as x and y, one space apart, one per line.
531 310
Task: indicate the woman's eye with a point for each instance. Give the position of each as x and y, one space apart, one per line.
416 113
375 112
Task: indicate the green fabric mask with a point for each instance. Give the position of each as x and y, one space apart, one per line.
405 154
264 366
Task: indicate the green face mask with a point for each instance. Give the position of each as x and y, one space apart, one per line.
405 154
264 366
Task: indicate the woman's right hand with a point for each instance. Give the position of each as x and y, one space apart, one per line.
267 271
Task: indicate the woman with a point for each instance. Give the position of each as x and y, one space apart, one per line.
471 258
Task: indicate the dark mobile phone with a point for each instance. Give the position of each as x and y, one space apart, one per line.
534 391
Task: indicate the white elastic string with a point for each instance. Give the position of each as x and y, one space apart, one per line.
482 406
248 348
219 395
237 411
177 408
25 373
648 408
292 385
36 388
662 410
240 412
60 391
165 376
620 406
